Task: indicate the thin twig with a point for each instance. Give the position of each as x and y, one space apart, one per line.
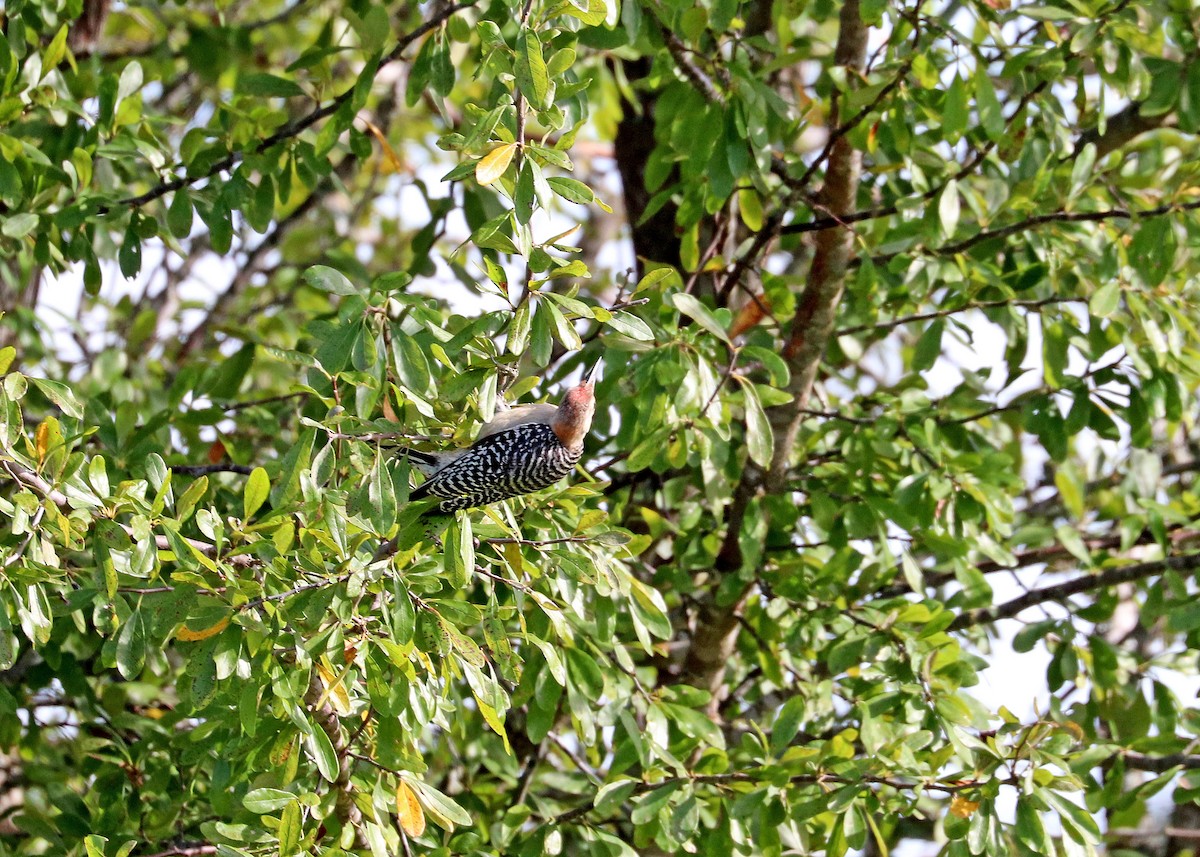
942 313
1060 592
797 780
294 128
1042 219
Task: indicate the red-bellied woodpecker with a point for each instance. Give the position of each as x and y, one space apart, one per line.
523 449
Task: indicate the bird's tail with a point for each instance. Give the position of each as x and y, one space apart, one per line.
426 462
426 458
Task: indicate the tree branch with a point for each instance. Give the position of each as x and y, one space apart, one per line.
1120 128
1177 534
1042 219
691 71
1084 583
326 718
1160 764
942 313
292 129
716 630
29 478
798 780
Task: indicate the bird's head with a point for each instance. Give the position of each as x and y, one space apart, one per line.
575 412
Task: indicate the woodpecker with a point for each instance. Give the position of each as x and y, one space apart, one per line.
523 449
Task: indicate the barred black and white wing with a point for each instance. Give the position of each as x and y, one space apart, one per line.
510 463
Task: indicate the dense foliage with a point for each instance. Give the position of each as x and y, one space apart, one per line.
902 382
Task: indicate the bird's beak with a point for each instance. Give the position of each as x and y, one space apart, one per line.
587 376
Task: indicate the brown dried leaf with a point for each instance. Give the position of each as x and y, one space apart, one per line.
751 314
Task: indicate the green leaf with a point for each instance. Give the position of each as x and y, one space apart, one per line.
1189 100
760 442
530 69
523 197
585 674
230 373
571 190
565 330
592 12
787 724
290 830
98 476
1030 829
612 795
460 551
268 86
19 225
560 61
444 811
61 395
956 110
750 209
646 807
258 488
179 214
320 749
1105 300
129 256
131 646
329 280
56 50
263 801
701 314
8 643
929 346
403 616
186 504
630 325
949 209
1152 251
130 81
991 116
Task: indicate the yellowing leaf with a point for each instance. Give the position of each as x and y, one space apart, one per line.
335 691
187 635
42 438
962 807
492 165
408 810
394 161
